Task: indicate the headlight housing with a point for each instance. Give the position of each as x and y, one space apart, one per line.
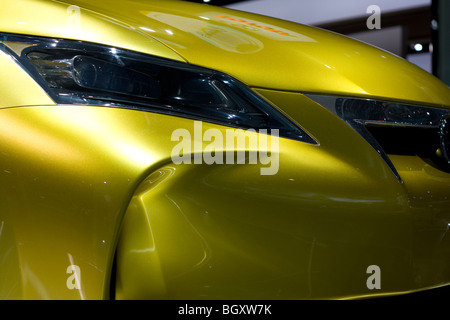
74 72
395 128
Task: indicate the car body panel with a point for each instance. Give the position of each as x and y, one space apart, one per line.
82 186
426 187
82 172
303 251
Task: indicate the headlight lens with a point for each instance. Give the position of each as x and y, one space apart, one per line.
381 112
74 72
397 127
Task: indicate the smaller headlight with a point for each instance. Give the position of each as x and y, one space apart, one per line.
399 127
389 113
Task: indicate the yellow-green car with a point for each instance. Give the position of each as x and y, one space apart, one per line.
171 150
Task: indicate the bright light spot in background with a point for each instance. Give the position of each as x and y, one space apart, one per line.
418 47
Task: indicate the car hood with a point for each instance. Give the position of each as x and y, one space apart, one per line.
264 52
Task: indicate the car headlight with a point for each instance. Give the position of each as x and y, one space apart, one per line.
74 72
395 128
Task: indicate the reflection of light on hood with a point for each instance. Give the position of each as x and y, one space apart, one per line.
147 29
223 37
269 31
